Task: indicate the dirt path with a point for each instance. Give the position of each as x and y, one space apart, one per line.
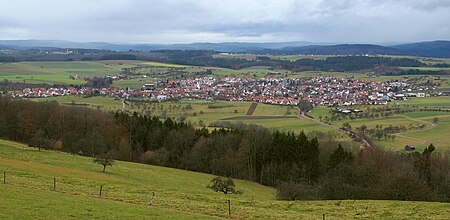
432 125
411 138
418 120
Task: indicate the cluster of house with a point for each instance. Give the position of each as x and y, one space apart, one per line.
329 91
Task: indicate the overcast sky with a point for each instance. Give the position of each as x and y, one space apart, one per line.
184 21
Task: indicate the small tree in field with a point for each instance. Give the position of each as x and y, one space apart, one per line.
435 120
104 160
221 184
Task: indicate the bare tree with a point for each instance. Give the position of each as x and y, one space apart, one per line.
104 160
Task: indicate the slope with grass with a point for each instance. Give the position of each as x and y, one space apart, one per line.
28 193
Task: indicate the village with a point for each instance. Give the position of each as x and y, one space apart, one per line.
325 91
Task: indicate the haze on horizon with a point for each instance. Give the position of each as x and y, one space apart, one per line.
186 21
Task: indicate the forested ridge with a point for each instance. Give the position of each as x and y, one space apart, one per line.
339 63
208 58
300 167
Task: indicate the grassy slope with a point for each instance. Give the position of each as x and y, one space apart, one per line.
179 194
26 203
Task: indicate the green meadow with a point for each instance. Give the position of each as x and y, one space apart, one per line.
200 112
75 72
29 193
58 72
421 129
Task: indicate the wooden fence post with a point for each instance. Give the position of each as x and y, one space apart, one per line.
101 187
54 184
323 217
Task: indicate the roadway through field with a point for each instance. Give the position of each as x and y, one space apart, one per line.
252 108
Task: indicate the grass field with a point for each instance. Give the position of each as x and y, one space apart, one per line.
26 203
429 102
96 102
28 193
75 72
58 72
419 137
199 112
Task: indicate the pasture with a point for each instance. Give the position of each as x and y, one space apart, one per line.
76 72
97 102
203 113
58 72
420 128
179 194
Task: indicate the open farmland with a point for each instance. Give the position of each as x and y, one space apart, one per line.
96 102
58 72
75 72
419 128
204 113
179 194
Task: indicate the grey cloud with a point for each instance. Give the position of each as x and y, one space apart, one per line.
166 21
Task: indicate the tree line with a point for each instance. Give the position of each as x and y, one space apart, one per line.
250 153
300 167
7 59
208 58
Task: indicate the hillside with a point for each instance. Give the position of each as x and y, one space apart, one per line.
344 49
427 49
179 194
431 48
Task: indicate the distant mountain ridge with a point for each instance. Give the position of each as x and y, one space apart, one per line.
342 49
429 49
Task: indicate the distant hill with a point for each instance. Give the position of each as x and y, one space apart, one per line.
344 49
431 48
221 47
428 49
